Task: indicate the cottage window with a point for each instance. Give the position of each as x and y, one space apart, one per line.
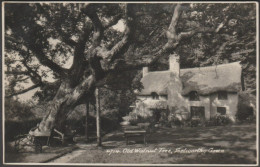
197 112
194 96
222 95
155 95
165 97
221 110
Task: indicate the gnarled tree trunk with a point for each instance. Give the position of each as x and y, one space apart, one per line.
80 81
65 101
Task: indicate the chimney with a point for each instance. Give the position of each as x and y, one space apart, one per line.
145 71
174 64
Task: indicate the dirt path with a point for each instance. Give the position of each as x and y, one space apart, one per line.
68 157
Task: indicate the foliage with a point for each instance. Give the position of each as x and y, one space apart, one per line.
238 33
15 110
109 122
14 128
122 99
219 120
244 108
244 112
197 122
66 50
174 120
164 118
77 119
135 118
250 119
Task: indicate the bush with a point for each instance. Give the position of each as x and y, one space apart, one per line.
15 128
135 118
197 123
16 110
164 119
244 112
108 123
174 121
251 119
219 120
244 108
178 120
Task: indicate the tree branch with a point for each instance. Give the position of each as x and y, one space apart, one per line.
172 43
80 48
36 47
174 38
20 80
90 11
39 54
16 72
183 35
63 36
128 67
113 21
171 32
35 77
79 56
66 38
123 44
23 91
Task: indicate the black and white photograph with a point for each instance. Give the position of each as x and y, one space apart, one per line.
130 83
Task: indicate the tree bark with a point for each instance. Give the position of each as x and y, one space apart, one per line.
80 81
63 103
68 96
98 117
86 121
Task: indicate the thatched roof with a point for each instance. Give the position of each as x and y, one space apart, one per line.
156 104
156 82
204 80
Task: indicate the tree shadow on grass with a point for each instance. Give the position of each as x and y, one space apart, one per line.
238 142
219 158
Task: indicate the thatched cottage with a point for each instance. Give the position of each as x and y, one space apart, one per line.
197 92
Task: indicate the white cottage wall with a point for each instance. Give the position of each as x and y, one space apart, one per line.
230 104
210 102
161 97
203 102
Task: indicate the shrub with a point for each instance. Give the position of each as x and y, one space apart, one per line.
250 119
219 120
108 123
197 122
244 108
15 128
135 118
244 112
176 120
164 119
16 110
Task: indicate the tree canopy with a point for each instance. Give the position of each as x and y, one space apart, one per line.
66 50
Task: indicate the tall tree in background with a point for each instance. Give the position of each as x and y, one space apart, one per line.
41 38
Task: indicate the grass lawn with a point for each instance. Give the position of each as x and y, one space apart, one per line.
237 141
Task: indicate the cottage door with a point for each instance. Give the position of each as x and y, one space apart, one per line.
157 115
197 112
